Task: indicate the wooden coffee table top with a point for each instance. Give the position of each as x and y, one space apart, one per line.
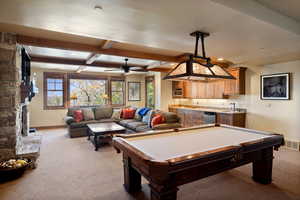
105 127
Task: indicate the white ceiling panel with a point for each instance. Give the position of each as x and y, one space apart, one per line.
56 52
54 66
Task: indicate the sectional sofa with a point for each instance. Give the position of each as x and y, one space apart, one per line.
109 114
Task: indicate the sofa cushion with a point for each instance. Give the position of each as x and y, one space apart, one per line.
137 116
88 114
78 115
134 125
128 113
124 122
166 126
103 112
170 117
157 119
71 111
116 115
82 123
147 118
142 128
106 120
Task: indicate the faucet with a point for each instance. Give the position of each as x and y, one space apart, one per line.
233 106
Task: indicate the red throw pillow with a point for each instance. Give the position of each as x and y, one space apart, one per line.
78 115
128 113
157 119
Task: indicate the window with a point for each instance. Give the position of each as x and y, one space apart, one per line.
117 92
63 90
150 92
84 92
54 91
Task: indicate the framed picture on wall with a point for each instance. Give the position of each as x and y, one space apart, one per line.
134 91
275 86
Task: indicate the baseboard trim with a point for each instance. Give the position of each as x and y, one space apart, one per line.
48 127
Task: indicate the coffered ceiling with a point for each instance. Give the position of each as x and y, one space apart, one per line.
244 32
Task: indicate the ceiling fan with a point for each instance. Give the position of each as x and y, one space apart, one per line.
126 68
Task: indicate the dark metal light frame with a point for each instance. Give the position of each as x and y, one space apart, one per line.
188 63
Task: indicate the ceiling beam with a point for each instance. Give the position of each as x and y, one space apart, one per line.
42 42
92 58
106 45
81 62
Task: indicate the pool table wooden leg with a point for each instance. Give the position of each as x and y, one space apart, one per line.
163 192
132 178
262 169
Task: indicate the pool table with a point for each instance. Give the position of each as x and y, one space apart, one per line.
170 158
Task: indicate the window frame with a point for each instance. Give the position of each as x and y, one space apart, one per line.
53 75
117 79
66 87
149 79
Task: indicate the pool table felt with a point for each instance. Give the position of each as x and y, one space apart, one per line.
182 143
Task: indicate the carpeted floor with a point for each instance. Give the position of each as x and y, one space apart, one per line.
71 169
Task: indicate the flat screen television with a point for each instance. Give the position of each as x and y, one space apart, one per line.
28 87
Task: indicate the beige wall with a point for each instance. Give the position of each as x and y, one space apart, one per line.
279 116
163 91
40 117
136 78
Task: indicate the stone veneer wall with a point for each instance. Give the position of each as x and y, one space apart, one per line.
10 107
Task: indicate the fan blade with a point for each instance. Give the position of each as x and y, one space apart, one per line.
139 70
112 70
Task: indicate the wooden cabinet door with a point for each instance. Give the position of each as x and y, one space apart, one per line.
224 119
187 88
193 118
218 89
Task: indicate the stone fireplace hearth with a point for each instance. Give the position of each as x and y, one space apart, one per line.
15 140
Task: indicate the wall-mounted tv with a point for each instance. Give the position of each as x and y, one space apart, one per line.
27 86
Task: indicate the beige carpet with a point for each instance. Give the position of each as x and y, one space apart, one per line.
71 169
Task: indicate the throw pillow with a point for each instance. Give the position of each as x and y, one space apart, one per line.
78 115
88 114
128 113
103 112
137 116
147 118
116 115
157 119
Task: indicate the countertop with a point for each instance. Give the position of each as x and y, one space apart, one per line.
209 109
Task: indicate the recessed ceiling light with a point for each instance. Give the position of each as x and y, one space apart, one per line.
98 7
220 59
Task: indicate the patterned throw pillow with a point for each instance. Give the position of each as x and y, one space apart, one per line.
116 114
88 114
147 118
128 113
137 116
157 119
78 115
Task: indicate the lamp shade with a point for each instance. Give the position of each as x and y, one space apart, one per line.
191 69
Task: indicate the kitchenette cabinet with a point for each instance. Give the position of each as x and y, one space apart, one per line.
212 89
190 116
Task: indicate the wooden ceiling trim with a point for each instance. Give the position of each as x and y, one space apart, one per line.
47 43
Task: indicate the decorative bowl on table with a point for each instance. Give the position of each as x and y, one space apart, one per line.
13 168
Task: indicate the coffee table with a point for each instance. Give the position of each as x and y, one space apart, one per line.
102 131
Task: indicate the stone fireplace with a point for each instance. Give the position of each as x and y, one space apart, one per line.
15 140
